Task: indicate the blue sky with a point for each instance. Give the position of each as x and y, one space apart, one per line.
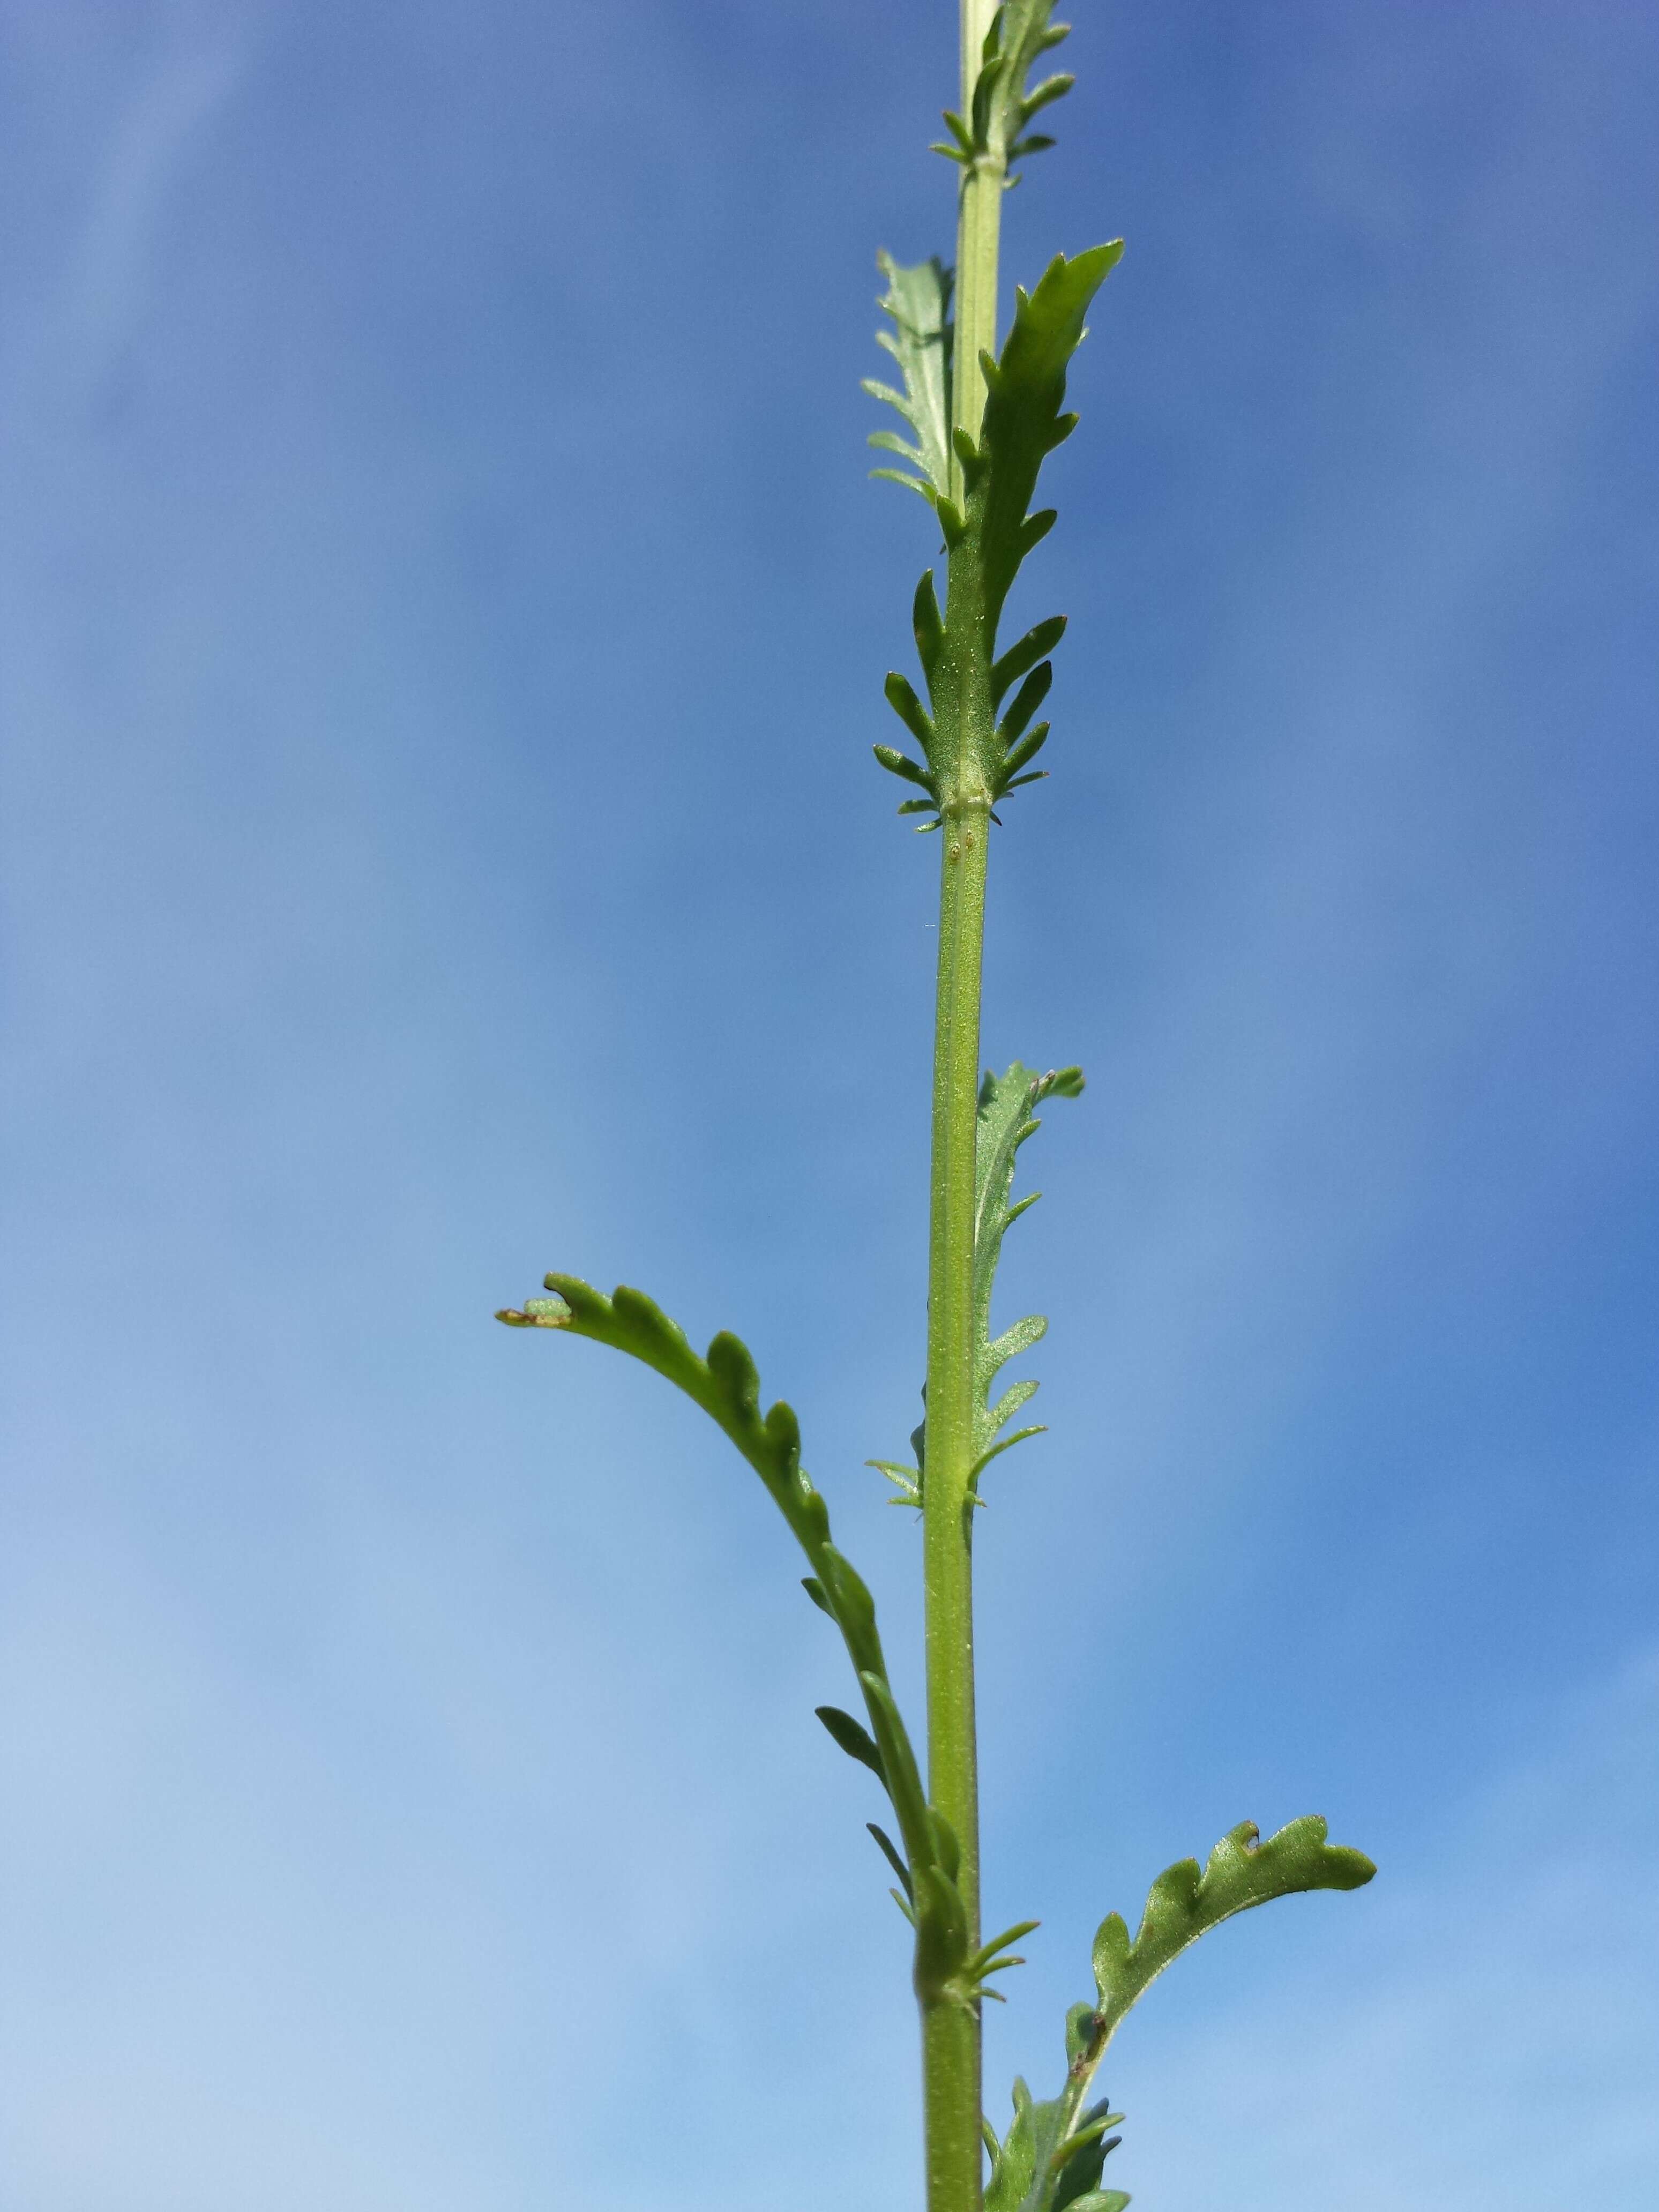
444 615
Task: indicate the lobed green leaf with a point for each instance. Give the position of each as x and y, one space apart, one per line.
1186 1903
724 1383
1007 1106
918 300
1026 388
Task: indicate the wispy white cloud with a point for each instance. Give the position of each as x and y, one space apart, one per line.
60 352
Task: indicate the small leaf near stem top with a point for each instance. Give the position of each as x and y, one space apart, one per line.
970 756
1000 47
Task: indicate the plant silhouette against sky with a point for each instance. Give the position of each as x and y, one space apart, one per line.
981 421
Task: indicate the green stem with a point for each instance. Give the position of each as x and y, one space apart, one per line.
950 2036
950 2109
947 1516
952 2099
979 229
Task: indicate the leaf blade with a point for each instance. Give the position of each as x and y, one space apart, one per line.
918 301
1023 408
1185 1902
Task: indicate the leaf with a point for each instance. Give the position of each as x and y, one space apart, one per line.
907 1480
1007 1104
1037 645
901 764
1028 749
1078 2177
849 1596
986 1952
856 1741
724 1383
1037 2170
958 129
947 1851
889 441
902 1776
1051 2158
941 1933
1051 88
912 483
1184 1904
970 755
988 524
918 299
926 625
1012 1398
1021 31
1028 697
1026 389
1015 2163
901 698
889 1853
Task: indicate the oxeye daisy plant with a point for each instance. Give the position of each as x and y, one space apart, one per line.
979 418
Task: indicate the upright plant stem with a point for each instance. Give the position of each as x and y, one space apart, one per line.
979 228
951 2030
